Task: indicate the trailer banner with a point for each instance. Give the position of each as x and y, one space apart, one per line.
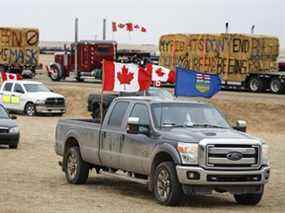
19 56
230 55
19 37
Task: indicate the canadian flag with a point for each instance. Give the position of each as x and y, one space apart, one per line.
10 76
120 77
161 74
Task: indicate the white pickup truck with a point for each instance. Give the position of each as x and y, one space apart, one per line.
31 97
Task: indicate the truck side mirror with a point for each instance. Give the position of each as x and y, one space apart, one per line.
135 128
240 126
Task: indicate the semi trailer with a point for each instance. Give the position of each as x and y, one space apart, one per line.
242 61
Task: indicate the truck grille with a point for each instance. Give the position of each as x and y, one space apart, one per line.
55 102
219 156
4 130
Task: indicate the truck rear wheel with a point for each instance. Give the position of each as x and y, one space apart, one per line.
167 189
76 170
276 86
255 84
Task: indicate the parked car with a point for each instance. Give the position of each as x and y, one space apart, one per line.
9 130
31 97
174 146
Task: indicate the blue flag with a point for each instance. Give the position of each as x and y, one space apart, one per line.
192 83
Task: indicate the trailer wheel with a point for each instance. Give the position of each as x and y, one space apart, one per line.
56 73
276 86
255 84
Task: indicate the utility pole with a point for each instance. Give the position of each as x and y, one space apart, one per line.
75 48
104 29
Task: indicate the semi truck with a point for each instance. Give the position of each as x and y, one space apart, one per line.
242 61
176 147
90 55
19 50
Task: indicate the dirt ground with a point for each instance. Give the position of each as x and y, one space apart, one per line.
31 180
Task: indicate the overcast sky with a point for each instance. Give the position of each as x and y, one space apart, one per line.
55 18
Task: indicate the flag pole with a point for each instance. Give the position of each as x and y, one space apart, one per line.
102 92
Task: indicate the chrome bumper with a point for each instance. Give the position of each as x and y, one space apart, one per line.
217 177
46 109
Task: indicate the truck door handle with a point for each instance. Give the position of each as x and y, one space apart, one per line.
123 137
104 134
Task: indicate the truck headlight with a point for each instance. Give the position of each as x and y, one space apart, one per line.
14 130
188 153
265 154
40 102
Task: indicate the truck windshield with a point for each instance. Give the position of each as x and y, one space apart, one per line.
36 88
168 115
3 113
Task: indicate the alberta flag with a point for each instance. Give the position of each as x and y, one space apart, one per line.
196 84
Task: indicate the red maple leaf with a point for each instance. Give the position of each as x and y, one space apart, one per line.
159 72
11 77
125 77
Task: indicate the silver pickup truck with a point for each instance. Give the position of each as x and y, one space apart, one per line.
176 147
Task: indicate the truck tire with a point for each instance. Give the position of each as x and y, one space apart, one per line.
167 189
30 109
249 199
276 86
13 146
57 73
255 84
76 170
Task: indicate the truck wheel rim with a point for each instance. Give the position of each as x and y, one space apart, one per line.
275 87
54 73
72 165
254 85
30 110
163 184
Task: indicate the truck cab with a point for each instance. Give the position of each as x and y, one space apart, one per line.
89 60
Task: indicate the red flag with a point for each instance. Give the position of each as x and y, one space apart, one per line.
143 29
129 27
120 77
114 27
10 76
161 74
120 25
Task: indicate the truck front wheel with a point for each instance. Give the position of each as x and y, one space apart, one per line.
167 189
249 199
76 170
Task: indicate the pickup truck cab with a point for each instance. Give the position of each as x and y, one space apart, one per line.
31 97
9 130
174 146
